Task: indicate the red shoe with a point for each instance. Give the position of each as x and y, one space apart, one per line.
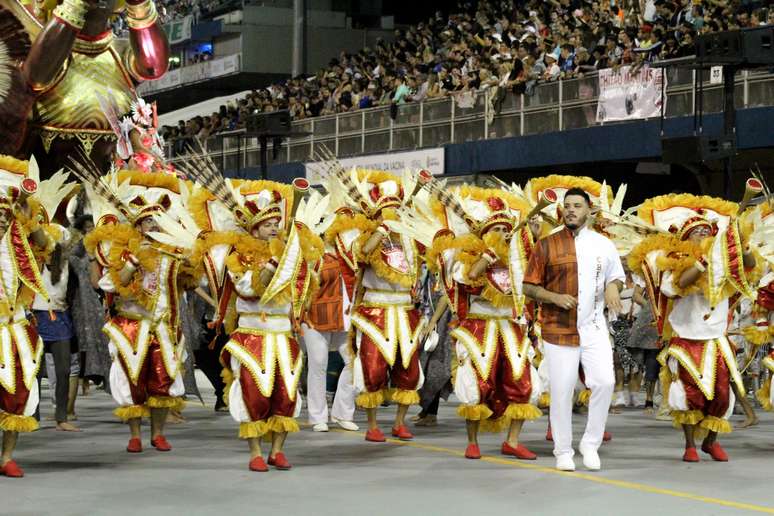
257 464
549 435
520 451
607 436
690 455
472 452
12 470
279 461
375 435
402 433
161 443
715 451
134 446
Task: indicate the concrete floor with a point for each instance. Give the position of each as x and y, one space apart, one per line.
89 473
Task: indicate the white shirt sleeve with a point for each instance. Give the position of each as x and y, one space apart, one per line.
615 271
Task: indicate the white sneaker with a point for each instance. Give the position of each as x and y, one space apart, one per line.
619 400
346 425
320 427
565 463
590 458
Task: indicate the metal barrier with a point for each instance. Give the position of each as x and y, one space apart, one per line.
552 106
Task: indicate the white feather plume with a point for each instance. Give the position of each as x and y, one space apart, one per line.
408 181
173 233
53 191
762 236
416 223
313 212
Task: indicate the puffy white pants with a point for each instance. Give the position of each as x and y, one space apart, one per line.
596 357
317 345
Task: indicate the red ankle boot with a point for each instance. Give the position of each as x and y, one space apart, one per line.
690 455
257 464
520 451
11 470
715 451
472 452
375 435
134 446
402 433
280 462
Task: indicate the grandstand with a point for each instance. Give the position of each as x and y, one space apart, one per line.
500 87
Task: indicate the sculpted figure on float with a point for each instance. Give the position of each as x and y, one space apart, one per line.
59 58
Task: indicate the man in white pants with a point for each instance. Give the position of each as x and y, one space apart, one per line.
574 273
325 329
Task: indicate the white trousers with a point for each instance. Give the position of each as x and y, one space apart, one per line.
317 346
596 357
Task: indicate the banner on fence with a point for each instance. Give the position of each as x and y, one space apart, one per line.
627 94
429 159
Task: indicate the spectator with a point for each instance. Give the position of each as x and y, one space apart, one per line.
505 43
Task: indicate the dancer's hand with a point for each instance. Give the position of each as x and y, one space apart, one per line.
613 298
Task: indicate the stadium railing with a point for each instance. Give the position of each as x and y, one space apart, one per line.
552 106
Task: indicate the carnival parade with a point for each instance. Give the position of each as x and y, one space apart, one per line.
549 337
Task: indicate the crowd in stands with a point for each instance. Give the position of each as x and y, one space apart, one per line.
506 44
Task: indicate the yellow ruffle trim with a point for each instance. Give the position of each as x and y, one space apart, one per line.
762 395
756 335
588 185
345 222
253 429
15 423
494 425
584 396
369 400
545 400
14 165
686 417
404 397
150 180
440 244
131 412
474 412
471 249
166 402
228 379
122 238
663 202
282 424
197 205
716 424
523 411
677 257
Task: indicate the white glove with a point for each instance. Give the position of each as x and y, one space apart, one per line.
431 342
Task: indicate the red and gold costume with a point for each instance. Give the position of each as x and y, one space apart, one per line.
21 349
262 360
694 320
495 379
385 321
761 332
145 336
